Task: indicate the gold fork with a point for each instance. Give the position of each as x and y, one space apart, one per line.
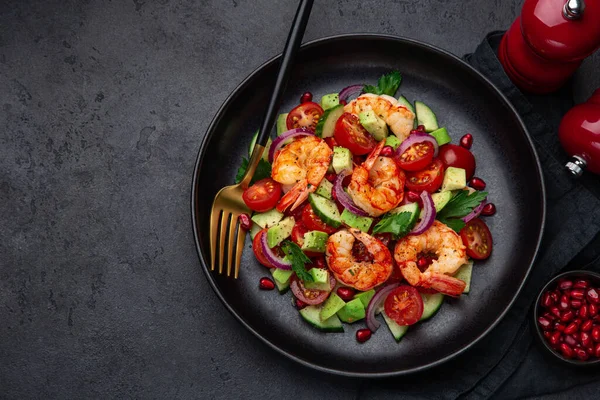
225 230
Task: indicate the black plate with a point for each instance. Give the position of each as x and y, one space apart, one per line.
464 101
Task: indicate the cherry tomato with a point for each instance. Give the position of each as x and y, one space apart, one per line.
306 115
416 157
350 133
313 223
429 179
459 157
298 232
263 195
478 239
330 142
310 296
257 248
404 305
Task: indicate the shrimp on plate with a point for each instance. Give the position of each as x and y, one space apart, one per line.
363 275
450 252
301 165
377 186
399 118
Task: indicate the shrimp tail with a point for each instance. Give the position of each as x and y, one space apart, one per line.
446 284
370 161
296 196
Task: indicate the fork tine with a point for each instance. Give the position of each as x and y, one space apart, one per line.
241 238
222 235
231 242
214 233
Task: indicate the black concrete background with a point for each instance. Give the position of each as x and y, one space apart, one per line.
103 105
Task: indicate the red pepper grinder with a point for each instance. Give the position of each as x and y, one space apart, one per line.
579 134
548 41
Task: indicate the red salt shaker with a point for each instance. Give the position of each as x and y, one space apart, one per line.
579 134
548 41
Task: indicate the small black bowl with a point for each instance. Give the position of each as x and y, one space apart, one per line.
594 279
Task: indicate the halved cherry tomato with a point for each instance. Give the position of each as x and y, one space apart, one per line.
478 239
311 296
263 195
351 134
306 115
458 157
314 223
429 179
404 305
298 232
330 142
416 157
257 248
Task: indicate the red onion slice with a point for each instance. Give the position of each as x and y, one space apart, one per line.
428 215
273 258
291 134
344 198
349 91
375 303
476 211
417 138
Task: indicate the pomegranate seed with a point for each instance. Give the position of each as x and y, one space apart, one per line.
421 128
559 327
345 293
549 317
555 296
554 310
592 310
576 336
566 350
319 262
306 97
245 221
565 284
387 151
592 296
596 334
576 303
581 284
555 339
577 321
571 328
343 102
300 304
590 350
547 334
583 311
545 324
564 302
567 316
331 177
422 262
477 183
597 350
581 353
586 339
570 340
578 294
266 284
489 209
362 335
412 196
466 141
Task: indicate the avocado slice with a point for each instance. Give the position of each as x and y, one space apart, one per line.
392 141
373 124
441 199
278 233
324 189
454 178
353 311
330 100
267 219
365 297
333 304
342 159
315 241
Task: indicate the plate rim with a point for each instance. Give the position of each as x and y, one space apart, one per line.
356 36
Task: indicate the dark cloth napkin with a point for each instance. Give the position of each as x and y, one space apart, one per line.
508 363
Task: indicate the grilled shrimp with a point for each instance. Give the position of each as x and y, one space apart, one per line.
450 252
377 186
359 275
301 164
399 118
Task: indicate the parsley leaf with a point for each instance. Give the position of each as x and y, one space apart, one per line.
387 84
456 224
263 170
398 225
295 254
461 204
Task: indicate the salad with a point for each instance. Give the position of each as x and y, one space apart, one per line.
363 206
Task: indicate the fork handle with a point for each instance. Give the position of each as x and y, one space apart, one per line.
287 62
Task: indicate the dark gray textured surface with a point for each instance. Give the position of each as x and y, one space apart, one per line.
103 106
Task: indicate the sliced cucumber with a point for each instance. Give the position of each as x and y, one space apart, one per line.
326 124
254 230
397 330
312 315
325 209
426 117
282 123
404 102
431 304
265 155
464 274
